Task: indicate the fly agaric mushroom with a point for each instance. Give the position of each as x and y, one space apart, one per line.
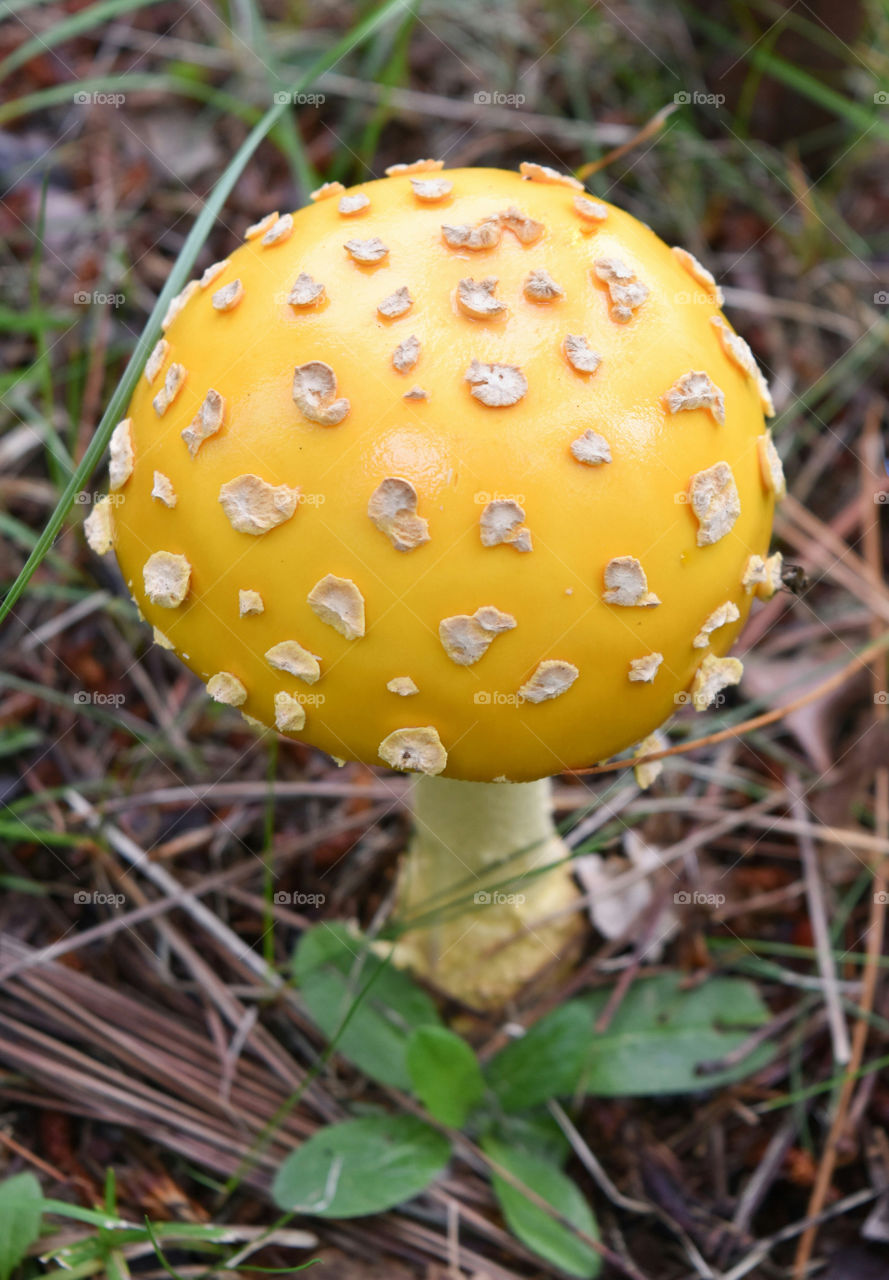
459 476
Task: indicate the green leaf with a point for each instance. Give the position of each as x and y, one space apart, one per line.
532 1225
445 1074
361 1166
21 1216
332 966
535 1132
655 1043
661 1035
546 1062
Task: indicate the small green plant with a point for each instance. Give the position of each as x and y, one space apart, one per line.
21 1213
109 1240
660 1040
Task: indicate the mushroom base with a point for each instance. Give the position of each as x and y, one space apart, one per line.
486 894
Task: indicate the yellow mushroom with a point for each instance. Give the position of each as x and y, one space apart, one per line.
573 400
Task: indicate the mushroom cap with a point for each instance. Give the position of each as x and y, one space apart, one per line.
530 512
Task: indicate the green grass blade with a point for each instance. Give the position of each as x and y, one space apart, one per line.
132 82
68 29
287 134
765 60
31 322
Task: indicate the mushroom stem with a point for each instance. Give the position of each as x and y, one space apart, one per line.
486 894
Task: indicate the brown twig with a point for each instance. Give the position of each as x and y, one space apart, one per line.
820 927
648 130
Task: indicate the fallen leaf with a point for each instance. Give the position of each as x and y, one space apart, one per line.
615 913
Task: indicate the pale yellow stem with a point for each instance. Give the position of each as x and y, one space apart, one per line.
478 907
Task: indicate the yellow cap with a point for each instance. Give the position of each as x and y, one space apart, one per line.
461 472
